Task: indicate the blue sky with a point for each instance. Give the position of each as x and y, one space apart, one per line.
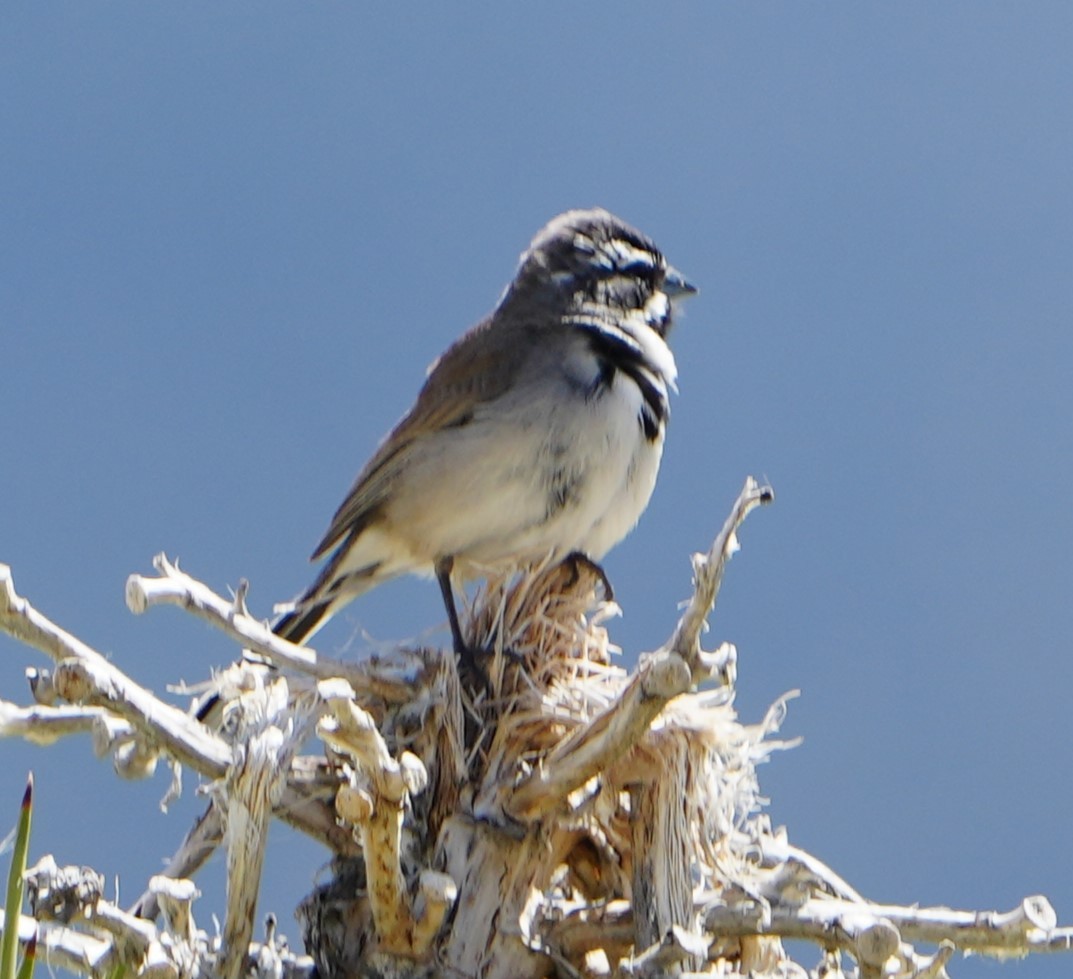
237 234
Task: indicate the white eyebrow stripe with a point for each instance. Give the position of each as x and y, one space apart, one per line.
624 254
656 308
584 244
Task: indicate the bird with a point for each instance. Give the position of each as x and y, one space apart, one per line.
537 434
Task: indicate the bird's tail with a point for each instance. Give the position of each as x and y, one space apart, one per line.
298 625
347 575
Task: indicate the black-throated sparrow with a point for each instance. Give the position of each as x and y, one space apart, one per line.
538 433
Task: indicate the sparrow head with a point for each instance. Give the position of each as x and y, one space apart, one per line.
592 257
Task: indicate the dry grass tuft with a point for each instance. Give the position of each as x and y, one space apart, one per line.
550 671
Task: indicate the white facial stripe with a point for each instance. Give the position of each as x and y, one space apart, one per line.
657 308
623 254
653 347
584 244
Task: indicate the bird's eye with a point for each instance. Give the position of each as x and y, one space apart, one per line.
633 258
639 268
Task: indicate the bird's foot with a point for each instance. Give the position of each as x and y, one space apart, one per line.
471 670
576 561
473 664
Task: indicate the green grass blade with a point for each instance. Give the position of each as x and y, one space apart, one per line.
9 948
29 954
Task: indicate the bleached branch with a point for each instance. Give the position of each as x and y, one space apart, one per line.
608 927
46 725
84 676
65 947
591 823
436 895
597 745
373 801
660 958
873 932
306 805
93 680
247 797
197 846
175 587
20 620
77 930
708 571
1031 925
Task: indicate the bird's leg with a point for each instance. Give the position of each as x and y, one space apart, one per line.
467 661
578 559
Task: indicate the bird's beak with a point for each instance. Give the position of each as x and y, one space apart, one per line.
677 285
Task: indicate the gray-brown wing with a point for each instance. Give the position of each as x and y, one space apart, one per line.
477 368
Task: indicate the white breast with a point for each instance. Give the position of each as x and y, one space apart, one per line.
552 466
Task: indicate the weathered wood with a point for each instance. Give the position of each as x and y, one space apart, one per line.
557 816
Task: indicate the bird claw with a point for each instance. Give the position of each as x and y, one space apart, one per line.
577 560
472 674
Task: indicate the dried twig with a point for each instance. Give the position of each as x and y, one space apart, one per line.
46 725
708 570
247 797
596 746
175 587
590 822
374 801
85 676
848 924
